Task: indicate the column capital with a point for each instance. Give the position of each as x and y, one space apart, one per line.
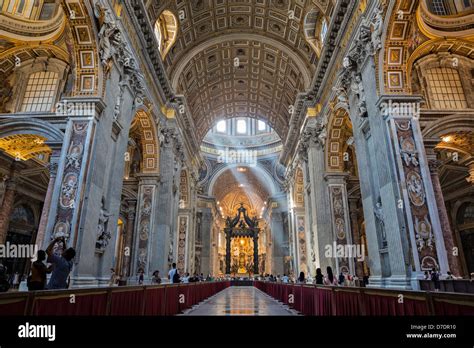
145 178
434 165
337 178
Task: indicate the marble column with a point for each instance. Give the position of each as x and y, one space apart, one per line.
454 261
340 221
206 232
148 244
320 232
167 205
7 208
53 170
278 253
129 234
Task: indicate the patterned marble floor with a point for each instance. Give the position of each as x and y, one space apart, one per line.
241 300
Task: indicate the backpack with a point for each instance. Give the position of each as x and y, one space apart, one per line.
176 277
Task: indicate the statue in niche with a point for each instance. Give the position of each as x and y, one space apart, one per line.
341 95
103 236
108 29
357 88
376 36
380 217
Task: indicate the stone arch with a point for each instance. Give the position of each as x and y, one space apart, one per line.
422 60
338 150
24 139
266 177
448 124
313 23
12 126
145 125
405 41
184 61
166 31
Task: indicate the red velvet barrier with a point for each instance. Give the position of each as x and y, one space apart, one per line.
297 298
389 305
13 307
154 301
452 308
348 303
127 303
307 297
171 302
85 305
184 300
323 300
164 300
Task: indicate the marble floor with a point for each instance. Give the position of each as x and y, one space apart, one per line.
241 300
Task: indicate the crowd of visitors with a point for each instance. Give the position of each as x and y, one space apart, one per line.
319 279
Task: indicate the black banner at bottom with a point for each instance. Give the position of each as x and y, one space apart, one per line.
196 331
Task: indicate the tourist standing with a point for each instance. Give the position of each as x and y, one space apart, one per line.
37 280
301 278
319 277
62 265
435 279
16 280
342 279
330 278
173 275
156 277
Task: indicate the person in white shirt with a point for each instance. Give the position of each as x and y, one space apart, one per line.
185 278
285 278
172 272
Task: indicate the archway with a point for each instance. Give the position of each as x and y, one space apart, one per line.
344 191
141 164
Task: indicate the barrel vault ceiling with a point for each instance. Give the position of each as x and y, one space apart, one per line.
275 61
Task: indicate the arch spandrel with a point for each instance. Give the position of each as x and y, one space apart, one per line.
406 42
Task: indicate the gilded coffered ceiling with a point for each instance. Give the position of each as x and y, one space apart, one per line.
241 58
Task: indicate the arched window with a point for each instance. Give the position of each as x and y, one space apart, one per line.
449 7
446 90
324 30
40 91
262 126
241 126
221 126
166 30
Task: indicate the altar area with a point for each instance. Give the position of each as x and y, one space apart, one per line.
242 234
241 256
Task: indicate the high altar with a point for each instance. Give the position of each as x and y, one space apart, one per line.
241 235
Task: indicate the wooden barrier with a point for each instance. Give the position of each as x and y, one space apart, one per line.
347 301
159 300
